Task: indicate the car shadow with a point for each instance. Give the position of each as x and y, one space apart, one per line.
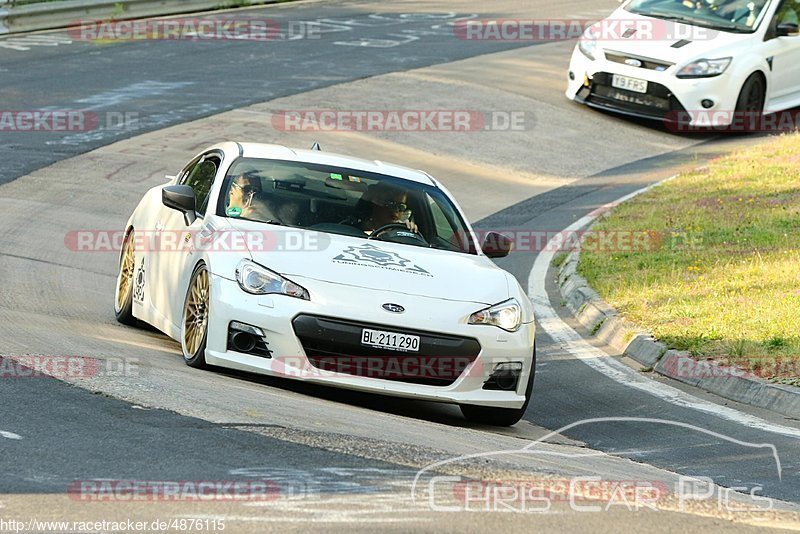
435 412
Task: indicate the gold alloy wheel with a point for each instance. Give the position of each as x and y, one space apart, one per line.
126 268
195 314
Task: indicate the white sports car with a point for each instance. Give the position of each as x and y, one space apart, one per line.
698 62
333 270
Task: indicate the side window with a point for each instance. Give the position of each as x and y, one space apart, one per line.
788 13
448 229
443 227
200 177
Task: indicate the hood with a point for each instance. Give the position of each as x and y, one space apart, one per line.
374 264
671 42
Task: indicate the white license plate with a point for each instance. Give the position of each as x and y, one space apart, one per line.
629 84
389 340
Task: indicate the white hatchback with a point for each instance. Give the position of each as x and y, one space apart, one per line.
697 62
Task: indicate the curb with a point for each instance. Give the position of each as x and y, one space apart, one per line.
608 327
55 15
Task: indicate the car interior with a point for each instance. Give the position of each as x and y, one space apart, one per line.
333 201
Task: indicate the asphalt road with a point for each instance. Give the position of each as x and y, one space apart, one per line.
218 426
171 82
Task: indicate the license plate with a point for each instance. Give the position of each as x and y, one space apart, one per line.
629 84
389 340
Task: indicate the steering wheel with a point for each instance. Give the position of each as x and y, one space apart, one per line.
398 226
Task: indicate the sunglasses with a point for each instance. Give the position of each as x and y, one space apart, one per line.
395 205
247 189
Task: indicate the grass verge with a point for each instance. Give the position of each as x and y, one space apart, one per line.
718 274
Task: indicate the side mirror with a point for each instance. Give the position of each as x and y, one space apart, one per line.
181 198
496 245
788 29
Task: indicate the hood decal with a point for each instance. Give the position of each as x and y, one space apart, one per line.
371 256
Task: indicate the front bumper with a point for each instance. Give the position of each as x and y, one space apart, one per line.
668 98
289 324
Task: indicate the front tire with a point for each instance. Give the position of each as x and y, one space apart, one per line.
194 323
487 415
123 296
752 98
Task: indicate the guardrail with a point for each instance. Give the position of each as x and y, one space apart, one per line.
18 17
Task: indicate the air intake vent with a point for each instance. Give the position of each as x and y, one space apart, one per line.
681 43
629 33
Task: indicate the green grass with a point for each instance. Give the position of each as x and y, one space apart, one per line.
721 275
559 259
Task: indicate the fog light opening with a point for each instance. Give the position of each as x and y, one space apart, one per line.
505 377
707 103
243 342
248 339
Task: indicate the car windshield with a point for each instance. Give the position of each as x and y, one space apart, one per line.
343 201
726 15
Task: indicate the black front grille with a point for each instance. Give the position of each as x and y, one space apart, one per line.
645 63
657 103
335 345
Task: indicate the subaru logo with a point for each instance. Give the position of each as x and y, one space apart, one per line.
394 308
633 62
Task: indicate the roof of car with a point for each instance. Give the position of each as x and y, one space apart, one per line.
267 151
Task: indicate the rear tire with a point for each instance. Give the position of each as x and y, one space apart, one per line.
194 322
486 415
123 296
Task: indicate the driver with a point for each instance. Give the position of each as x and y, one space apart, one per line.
385 204
244 200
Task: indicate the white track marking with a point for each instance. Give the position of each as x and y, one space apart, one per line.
9 435
573 343
23 44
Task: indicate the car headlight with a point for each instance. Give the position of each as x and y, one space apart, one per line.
506 315
259 280
705 68
587 44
